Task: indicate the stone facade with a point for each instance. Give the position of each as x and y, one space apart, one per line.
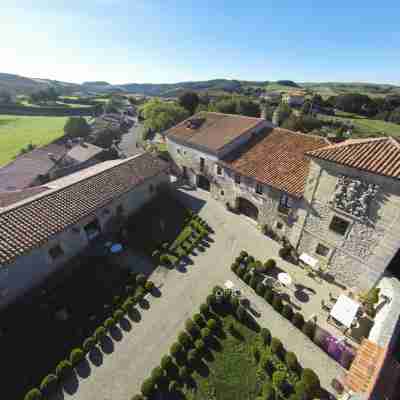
358 256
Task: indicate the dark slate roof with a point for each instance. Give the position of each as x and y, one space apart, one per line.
31 223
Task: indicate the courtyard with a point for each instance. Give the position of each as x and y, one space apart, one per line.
184 288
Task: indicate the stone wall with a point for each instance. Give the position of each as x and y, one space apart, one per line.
359 257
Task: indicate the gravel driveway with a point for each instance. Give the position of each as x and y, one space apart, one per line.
140 348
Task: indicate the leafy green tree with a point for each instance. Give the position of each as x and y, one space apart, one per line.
247 107
76 127
161 115
189 101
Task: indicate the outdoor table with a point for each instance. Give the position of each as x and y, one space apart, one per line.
308 260
285 279
345 310
116 248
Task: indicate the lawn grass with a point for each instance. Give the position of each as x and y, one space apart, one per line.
233 375
16 132
366 127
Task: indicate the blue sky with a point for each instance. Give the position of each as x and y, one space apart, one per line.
171 41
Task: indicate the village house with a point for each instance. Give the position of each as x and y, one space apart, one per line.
294 99
338 203
39 234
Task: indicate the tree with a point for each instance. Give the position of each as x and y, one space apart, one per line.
247 107
189 101
354 103
160 115
226 106
76 127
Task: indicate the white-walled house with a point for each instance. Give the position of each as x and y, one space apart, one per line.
338 203
40 234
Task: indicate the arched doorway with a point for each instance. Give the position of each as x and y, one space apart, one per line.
247 208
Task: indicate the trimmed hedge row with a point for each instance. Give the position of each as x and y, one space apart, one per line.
242 267
64 368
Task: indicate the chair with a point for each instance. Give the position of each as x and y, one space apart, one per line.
325 306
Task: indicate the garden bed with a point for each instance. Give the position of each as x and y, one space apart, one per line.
224 355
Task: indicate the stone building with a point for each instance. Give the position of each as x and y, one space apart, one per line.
38 235
337 203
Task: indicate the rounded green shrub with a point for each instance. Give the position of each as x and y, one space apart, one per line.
250 259
63 369
241 313
287 311
184 373
311 382
260 289
166 362
49 384
33 394
241 271
243 254
212 324
191 327
276 346
210 299
157 374
234 267
269 295
291 361
109 323
199 345
184 339
149 286
140 279
247 277
173 387
100 333
128 305
164 260
192 356
300 390
176 349
254 281
268 391
269 264
298 320
118 314
205 333
76 356
277 303
309 329
204 309
148 387
266 336
198 319
278 379
89 344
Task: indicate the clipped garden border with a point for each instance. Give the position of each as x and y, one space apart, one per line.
193 340
50 383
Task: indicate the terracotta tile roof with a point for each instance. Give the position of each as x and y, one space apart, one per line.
276 159
378 155
8 198
365 367
31 223
212 131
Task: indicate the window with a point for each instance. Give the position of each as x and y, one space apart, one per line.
202 161
120 209
237 179
285 204
56 252
219 170
322 250
259 188
339 225
279 225
178 150
151 188
222 192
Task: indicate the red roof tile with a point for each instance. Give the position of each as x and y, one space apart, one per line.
212 131
31 223
276 159
376 155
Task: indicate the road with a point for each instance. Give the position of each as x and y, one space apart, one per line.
130 139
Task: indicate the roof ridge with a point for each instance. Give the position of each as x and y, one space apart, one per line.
228 114
323 138
51 190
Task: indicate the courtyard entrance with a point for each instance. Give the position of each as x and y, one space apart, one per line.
247 208
203 182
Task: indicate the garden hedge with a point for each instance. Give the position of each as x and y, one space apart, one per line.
89 344
291 361
49 384
76 356
148 387
63 369
33 394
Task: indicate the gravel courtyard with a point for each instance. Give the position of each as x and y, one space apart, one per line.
141 346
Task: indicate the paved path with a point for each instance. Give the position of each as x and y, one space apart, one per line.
131 138
140 349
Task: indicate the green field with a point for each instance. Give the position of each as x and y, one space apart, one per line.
365 127
16 132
